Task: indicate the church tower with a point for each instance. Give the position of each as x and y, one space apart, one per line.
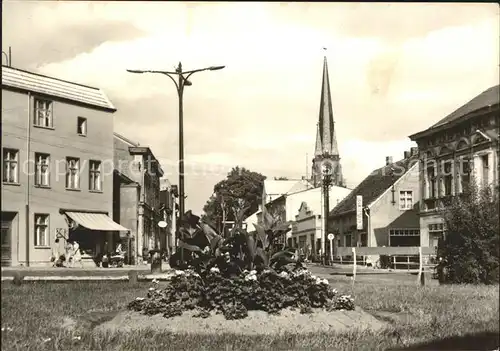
326 152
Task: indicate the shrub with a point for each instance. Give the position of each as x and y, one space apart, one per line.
234 296
469 252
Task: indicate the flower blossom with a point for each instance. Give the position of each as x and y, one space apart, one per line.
214 270
151 289
177 272
155 281
251 277
139 299
284 274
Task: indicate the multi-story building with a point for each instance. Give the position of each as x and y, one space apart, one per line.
390 200
57 152
136 194
168 195
461 145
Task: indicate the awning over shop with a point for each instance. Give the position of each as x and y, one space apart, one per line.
95 221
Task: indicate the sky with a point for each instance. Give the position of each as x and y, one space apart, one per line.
395 69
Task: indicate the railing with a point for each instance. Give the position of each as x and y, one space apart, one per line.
394 253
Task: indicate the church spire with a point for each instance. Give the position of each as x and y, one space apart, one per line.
326 123
326 148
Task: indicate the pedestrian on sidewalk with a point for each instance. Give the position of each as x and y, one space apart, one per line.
77 255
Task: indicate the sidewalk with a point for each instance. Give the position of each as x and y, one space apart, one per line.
90 273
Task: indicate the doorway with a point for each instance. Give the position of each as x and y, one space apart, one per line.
6 239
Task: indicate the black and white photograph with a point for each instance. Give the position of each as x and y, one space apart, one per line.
250 175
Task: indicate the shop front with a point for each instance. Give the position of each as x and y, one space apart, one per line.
95 232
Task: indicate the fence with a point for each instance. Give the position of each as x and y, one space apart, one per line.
392 252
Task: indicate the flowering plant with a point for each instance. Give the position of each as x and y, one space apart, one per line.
234 296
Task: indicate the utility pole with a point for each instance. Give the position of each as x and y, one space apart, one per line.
181 82
327 181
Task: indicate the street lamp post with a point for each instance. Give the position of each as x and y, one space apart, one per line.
327 181
181 82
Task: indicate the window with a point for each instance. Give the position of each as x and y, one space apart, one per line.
348 240
42 162
436 232
404 237
43 113
82 126
95 179
72 173
405 200
464 174
41 230
10 166
447 178
431 176
485 169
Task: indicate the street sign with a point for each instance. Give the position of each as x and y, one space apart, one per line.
330 236
359 212
162 224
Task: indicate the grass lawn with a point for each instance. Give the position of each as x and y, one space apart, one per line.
60 316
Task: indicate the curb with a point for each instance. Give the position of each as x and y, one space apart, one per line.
147 277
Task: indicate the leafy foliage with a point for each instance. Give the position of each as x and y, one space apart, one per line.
233 297
204 248
242 189
470 249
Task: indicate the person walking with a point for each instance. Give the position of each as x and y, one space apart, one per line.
77 255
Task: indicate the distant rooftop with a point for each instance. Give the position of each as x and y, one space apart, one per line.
488 98
33 82
374 185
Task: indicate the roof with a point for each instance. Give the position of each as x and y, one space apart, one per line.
135 148
313 199
301 185
54 87
125 140
487 98
375 184
279 187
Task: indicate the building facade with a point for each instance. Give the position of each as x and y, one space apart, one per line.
391 197
460 147
137 194
168 202
306 211
57 183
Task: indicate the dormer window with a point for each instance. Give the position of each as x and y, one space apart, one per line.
81 128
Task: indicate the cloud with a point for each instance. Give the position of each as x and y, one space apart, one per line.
56 39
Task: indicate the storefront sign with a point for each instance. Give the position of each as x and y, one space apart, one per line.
359 212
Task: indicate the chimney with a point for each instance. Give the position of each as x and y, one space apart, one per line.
407 154
414 151
388 160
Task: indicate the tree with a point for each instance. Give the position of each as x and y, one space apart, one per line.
241 191
470 249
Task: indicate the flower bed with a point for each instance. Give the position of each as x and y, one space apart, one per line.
234 296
